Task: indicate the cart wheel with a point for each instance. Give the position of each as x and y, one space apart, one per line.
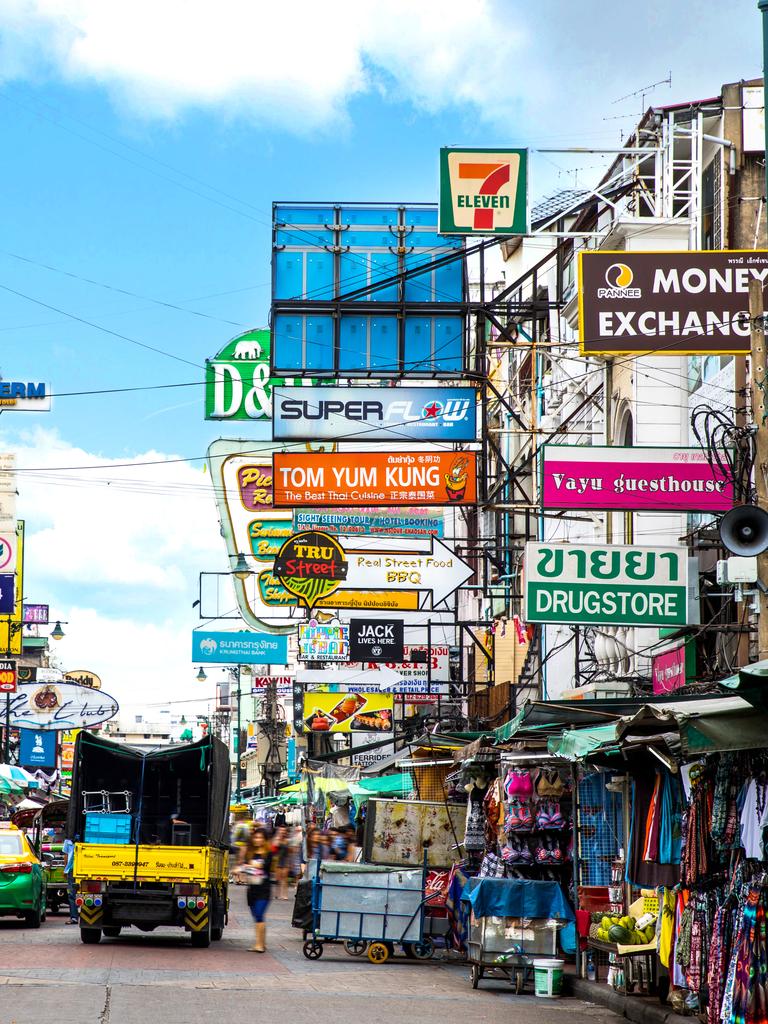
378 953
519 982
474 975
313 949
422 950
355 947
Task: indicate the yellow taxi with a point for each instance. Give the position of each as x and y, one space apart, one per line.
22 885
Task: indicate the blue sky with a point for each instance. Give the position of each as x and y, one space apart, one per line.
142 147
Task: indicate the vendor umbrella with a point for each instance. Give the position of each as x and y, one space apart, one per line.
10 788
16 774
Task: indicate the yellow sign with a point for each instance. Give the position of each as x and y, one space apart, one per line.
11 625
83 677
348 712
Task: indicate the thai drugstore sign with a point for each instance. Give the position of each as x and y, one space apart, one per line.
375 414
483 192
237 382
365 478
661 479
373 522
239 648
667 303
323 641
617 585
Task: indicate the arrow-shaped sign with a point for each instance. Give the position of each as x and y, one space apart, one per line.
313 564
439 570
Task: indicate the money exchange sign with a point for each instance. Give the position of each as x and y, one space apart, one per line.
667 303
617 585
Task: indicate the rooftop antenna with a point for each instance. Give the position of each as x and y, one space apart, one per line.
642 92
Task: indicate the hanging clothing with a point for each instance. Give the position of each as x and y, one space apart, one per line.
474 834
653 823
754 818
640 871
670 837
666 934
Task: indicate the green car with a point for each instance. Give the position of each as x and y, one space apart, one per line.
22 886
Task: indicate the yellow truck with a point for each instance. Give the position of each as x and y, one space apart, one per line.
151 834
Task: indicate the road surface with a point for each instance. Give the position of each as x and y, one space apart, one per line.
49 975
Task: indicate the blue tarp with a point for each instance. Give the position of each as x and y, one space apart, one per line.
516 897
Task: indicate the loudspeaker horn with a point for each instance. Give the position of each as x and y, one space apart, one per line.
744 530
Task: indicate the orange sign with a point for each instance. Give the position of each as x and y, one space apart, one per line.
374 478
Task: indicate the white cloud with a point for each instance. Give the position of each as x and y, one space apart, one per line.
119 561
294 65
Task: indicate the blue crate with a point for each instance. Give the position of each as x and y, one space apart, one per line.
107 828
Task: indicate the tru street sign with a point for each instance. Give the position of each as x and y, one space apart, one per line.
614 585
314 564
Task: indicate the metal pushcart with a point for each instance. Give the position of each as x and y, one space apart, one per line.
370 909
511 922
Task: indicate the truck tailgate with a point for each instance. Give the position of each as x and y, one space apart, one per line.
147 864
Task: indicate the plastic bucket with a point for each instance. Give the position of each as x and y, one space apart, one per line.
548 978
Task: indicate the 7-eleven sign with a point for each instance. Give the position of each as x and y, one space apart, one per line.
483 192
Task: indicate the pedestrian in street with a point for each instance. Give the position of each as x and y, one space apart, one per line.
257 870
68 849
282 855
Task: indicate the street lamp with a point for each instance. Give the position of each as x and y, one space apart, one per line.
201 676
57 633
241 570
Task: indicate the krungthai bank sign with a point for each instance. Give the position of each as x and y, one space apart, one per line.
667 303
483 192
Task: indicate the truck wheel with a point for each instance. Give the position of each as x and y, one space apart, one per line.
54 908
202 939
111 931
90 936
216 934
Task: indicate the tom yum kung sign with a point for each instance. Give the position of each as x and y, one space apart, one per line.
616 585
667 303
367 478
658 479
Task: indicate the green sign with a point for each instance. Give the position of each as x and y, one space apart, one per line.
483 192
610 585
237 381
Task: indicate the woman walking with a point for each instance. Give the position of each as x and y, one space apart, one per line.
257 869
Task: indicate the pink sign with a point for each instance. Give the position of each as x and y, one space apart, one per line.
633 479
668 670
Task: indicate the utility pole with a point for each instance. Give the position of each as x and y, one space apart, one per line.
759 385
239 752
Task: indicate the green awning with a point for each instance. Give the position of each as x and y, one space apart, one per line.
507 731
734 730
402 782
576 743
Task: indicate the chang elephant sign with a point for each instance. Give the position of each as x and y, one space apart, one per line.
613 585
237 382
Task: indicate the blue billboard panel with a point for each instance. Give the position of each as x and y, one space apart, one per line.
244 648
351 255
37 748
374 414
7 593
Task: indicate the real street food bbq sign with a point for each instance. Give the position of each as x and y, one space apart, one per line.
365 478
667 303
